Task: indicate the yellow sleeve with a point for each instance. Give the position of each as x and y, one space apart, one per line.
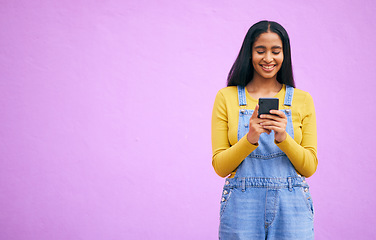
226 158
304 156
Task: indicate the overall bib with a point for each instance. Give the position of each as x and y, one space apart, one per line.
266 199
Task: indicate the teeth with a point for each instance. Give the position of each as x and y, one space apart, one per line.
267 67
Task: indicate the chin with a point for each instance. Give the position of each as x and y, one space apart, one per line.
269 75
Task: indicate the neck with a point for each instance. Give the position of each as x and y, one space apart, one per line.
264 84
263 87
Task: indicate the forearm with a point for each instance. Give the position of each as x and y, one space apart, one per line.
304 158
227 159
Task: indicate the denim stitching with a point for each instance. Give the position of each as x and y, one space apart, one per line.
265 204
276 202
289 95
225 203
268 156
308 204
241 96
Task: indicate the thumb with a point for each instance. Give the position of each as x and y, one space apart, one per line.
255 112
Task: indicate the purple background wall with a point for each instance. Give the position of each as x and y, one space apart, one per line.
105 113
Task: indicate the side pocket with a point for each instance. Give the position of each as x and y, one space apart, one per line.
226 195
308 200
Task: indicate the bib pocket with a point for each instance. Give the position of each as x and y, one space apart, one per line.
267 149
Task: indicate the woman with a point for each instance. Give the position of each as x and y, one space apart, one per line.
266 158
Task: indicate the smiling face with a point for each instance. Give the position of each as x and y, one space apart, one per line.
267 55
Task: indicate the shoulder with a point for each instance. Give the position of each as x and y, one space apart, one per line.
301 96
300 92
303 101
228 91
226 97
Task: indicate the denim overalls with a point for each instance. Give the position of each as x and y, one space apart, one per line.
266 199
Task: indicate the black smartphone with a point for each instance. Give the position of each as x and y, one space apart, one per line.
267 104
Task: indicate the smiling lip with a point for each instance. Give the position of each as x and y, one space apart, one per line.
268 68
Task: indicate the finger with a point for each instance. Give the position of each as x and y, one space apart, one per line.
255 112
278 112
267 124
273 122
264 130
268 117
274 128
267 131
273 117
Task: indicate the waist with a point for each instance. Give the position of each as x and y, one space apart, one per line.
232 175
288 182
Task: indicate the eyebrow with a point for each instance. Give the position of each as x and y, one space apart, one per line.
265 47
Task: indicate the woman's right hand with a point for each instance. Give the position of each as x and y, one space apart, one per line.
255 129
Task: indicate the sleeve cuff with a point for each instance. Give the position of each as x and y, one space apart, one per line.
245 141
285 143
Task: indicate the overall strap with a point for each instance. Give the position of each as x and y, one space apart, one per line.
241 96
289 95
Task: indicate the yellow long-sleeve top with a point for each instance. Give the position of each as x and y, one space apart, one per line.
228 152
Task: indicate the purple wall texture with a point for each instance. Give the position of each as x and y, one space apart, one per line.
105 113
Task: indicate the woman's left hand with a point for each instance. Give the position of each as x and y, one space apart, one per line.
277 123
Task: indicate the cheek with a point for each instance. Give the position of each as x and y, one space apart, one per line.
253 62
281 58
279 61
256 61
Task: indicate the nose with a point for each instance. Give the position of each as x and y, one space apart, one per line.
268 58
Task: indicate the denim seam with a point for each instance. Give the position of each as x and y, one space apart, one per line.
275 183
289 95
265 204
277 178
276 202
270 187
307 203
267 157
225 203
241 96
